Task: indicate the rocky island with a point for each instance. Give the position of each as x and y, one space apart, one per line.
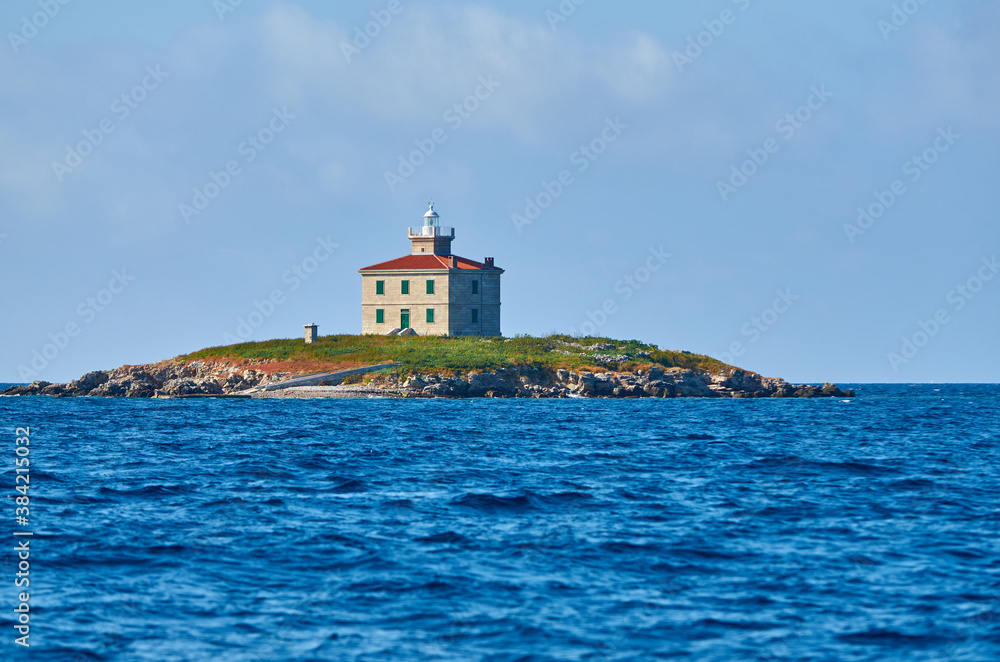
433 367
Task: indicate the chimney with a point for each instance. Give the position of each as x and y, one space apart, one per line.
453 262
489 263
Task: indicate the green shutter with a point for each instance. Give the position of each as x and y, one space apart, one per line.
405 288
380 287
380 316
475 287
430 315
475 316
430 287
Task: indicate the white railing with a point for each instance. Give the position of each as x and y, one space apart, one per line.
433 231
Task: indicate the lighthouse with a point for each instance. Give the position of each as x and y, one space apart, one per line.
431 291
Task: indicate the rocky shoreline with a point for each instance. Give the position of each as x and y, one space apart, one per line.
206 379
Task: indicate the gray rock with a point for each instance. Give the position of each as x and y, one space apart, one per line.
108 390
481 384
628 391
191 387
90 381
808 392
833 391
688 385
660 389
414 383
140 390
739 380
449 388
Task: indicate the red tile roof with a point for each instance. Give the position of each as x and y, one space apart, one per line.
429 261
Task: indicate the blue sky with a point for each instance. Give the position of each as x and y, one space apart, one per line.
167 169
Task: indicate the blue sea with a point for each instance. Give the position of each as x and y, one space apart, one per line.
511 530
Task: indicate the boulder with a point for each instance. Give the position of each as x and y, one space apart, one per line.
140 390
454 388
808 392
603 386
235 383
91 380
34 388
660 389
832 391
482 383
783 391
55 389
109 390
739 380
415 384
687 384
191 387
629 391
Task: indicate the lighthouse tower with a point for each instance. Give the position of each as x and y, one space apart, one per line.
432 237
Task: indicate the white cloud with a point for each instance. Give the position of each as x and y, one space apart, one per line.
430 58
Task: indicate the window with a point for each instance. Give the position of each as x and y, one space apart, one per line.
430 315
405 287
380 287
475 316
430 287
380 316
475 287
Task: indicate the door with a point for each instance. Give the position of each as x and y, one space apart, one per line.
404 319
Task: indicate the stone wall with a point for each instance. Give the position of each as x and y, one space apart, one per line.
452 301
463 302
394 301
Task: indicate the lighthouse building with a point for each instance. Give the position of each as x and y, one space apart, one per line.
431 291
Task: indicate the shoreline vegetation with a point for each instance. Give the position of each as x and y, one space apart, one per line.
555 366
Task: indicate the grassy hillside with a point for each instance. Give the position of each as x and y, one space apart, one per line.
455 355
